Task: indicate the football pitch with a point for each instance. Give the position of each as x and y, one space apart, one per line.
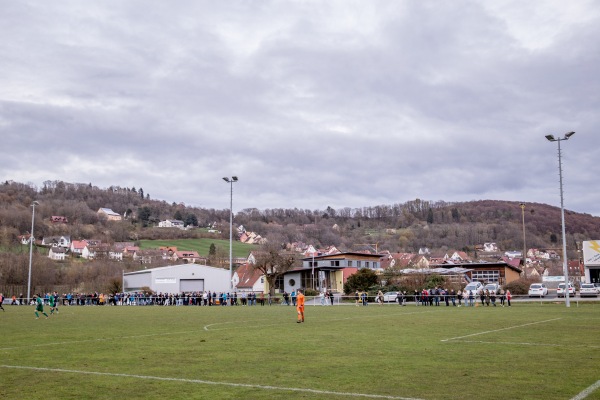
527 351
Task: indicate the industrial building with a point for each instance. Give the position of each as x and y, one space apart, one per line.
178 279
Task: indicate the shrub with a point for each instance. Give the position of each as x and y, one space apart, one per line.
520 286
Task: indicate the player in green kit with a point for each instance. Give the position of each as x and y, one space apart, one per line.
51 303
39 306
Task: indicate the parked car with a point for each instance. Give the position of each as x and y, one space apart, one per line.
560 292
538 290
588 289
475 287
492 287
390 297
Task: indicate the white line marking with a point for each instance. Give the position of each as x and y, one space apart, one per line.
587 346
204 382
587 391
501 329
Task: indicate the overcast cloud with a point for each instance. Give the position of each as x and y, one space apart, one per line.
310 103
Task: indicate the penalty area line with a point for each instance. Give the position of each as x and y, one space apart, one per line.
499 330
205 382
530 344
587 391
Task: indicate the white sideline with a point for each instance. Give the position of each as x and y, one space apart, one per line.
204 382
587 391
499 330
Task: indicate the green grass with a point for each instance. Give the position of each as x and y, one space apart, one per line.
201 245
528 351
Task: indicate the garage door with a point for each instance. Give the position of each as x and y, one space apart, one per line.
191 285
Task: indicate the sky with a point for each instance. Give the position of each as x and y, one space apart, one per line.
311 104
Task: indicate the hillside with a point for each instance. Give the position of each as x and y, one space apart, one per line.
399 227
406 227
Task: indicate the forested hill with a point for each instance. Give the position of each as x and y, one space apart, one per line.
399 227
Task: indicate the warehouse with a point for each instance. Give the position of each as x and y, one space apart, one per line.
178 279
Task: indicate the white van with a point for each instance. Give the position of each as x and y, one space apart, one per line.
492 287
475 287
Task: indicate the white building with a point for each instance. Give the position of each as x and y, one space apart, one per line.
178 279
591 261
109 214
171 223
57 253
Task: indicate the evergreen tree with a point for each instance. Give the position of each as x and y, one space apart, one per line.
430 216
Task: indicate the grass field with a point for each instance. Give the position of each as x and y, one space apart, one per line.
202 245
528 351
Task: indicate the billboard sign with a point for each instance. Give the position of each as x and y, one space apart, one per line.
591 253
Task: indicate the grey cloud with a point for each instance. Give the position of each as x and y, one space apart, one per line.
343 104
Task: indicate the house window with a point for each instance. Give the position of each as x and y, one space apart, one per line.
358 264
292 282
366 264
334 263
349 263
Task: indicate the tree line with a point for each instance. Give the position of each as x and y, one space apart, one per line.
402 227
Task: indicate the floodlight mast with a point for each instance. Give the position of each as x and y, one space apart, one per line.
551 138
231 181
31 240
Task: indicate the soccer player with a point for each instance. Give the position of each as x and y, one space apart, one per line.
56 301
39 306
51 303
1 300
300 306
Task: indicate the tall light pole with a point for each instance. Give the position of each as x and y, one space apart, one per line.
551 138
31 239
231 181
524 245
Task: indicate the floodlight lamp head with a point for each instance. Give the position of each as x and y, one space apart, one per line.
234 178
226 179
550 138
35 203
568 135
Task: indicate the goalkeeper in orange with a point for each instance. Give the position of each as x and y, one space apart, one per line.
300 306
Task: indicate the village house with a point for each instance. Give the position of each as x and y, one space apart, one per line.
109 214
149 256
24 239
77 247
58 219
57 253
115 254
91 252
327 272
490 247
248 279
57 241
188 257
486 272
171 223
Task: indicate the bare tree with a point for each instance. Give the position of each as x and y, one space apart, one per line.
273 262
